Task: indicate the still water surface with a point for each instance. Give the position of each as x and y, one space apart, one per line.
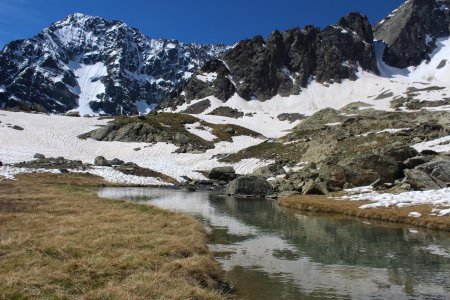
273 253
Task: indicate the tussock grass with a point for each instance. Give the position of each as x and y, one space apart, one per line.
393 214
58 240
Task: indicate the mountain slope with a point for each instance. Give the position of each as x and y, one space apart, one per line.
94 65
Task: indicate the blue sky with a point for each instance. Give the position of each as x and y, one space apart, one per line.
202 21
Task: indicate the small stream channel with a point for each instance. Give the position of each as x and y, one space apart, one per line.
269 252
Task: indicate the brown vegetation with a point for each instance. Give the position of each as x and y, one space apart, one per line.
58 240
324 204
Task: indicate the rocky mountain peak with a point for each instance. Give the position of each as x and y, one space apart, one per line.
359 24
95 65
410 31
285 62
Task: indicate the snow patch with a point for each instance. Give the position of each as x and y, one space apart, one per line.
2 88
333 124
113 176
207 77
89 84
414 214
248 166
438 198
437 145
393 130
201 131
9 172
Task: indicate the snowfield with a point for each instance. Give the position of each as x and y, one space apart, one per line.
56 136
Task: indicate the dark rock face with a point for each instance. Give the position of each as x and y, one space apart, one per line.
413 162
249 186
285 62
411 30
198 107
40 73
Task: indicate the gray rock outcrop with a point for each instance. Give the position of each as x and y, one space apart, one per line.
438 168
421 181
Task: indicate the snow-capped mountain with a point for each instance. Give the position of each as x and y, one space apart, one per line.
399 64
93 65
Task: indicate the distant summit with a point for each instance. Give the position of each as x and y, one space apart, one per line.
95 66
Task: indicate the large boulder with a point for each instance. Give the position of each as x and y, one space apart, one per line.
315 187
415 161
249 186
222 173
334 175
438 168
402 153
421 181
360 170
116 162
39 156
101 161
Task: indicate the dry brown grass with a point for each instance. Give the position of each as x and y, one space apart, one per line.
58 240
394 214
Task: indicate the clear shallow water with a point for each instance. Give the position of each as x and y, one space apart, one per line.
273 253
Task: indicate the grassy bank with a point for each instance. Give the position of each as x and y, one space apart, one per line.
351 208
58 240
